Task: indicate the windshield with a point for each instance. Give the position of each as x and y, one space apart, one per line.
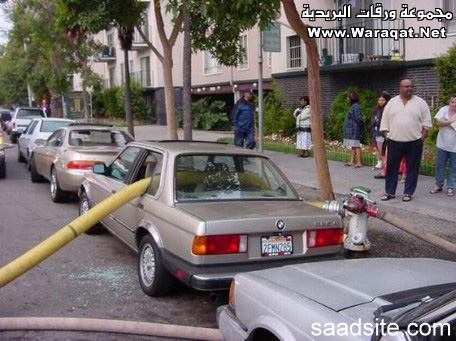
51 126
229 177
93 137
27 113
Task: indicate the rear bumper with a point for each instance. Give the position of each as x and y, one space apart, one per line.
219 276
229 325
71 180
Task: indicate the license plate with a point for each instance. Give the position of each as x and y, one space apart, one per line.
276 246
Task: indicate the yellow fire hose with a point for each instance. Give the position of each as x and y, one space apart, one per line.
69 232
110 326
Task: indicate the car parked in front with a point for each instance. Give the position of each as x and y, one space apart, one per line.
70 152
211 211
5 119
38 129
2 156
357 299
21 119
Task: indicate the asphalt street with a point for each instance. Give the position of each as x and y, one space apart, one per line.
92 277
95 276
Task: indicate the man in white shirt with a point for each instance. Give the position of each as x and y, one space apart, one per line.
405 122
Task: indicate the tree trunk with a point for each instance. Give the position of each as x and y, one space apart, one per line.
313 69
56 106
128 111
85 98
187 81
169 94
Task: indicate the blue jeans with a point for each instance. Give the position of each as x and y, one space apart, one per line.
440 164
240 136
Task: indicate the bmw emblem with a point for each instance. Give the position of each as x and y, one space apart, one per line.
280 224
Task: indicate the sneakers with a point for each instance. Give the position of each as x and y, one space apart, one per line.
377 166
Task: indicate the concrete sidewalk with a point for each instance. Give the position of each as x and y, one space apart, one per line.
302 171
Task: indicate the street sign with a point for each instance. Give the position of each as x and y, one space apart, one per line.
271 38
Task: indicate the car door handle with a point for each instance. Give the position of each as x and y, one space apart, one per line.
113 192
141 206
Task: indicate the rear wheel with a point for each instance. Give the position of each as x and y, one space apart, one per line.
84 206
20 158
34 175
57 194
2 169
154 279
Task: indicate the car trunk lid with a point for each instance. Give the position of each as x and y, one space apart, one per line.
231 217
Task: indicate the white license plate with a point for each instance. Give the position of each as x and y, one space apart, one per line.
276 246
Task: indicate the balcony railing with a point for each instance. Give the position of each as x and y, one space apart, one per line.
138 41
108 53
356 50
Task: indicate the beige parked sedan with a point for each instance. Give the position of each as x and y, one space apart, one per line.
70 152
211 211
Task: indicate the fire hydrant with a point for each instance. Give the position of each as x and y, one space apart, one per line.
357 208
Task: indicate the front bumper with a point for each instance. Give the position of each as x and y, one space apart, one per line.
219 276
229 325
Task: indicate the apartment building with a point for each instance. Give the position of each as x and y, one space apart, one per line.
145 67
374 63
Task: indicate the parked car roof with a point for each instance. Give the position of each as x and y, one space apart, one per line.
182 147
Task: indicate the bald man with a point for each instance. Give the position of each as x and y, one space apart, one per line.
405 122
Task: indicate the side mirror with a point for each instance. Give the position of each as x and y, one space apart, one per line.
99 168
40 142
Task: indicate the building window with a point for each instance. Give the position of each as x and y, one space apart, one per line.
294 59
244 62
450 5
210 64
144 77
122 73
112 76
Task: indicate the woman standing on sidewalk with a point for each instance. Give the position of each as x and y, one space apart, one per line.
352 130
377 138
304 136
446 148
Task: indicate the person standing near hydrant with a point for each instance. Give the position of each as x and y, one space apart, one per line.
244 121
405 122
303 136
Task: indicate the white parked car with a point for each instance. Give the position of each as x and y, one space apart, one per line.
21 119
38 129
384 299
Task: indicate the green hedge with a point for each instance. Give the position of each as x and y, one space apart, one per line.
207 114
340 107
110 103
278 119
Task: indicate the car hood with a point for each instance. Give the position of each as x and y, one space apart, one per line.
343 284
259 216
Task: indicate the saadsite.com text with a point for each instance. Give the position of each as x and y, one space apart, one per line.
361 329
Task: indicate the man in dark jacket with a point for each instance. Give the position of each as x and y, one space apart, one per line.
244 122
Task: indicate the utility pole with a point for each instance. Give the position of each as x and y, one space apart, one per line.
29 89
260 92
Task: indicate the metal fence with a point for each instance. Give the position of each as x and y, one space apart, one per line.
355 50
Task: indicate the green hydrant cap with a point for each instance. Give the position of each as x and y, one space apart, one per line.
360 189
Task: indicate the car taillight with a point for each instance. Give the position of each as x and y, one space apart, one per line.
325 237
81 165
219 245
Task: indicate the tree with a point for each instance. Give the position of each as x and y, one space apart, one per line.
445 66
313 69
39 53
88 17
